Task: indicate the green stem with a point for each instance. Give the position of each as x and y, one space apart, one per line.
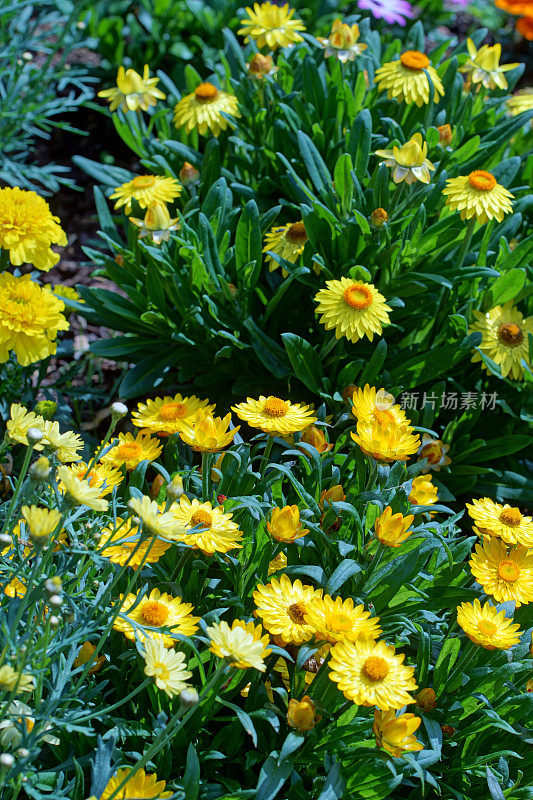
18 488
206 470
466 242
266 455
121 702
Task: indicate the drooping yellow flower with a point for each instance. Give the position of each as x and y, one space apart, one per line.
157 223
284 525
483 65
80 492
101 476
275 416
21 420
386 444
28 229
133 92
208 434
153 615
504 521
40 522
277 564
504 574
520 102
168 667
478 195
153 521
505 340
372 674
342 42
145 190
122 539
434 451
409 162
242 646
406 79
302 714
12 680
140 786
270 25
30 319
131 450
166 415
377 405
287 241
395 734
487 627
216 531
352 308
66 445
206 109
334 620
282 606
392 529
423 492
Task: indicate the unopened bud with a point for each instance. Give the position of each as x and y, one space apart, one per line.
189 698
426 699
34 436
378 217
347 392
45 408
54 621
56 601
118 410
445 134
22 752
260 66
188 174
157 485
175 488
53 585
40 469
5 540
6 760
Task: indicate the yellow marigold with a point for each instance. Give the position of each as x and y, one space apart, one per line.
66 446
392 529
140 785
284 525
119 541
352 308
156 224
30 319
208 434
270 25
80 492
282 606
483 65
505 339
21 420
487 627
133 92
377 405
153 615
101 476
302 714
166 415
520 102
386 443
215 530
504 574
423 492
28 229
275 416
242 646
409 162
342 42
406 79
504 521
145 190
168 667
12 680
206 109
434 451
334 620
395 734
131 450
287 241
478 196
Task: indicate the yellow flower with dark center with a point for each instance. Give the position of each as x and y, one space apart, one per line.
434 451
215 530
167 667
131 450
386 444
208 434
157 223
242 646
145 190
133 92
261 67
393 529
284 525
287 241
12 680
505 340
205 110
377 405
406 79
342 42
166 415
80 492
483 65
478 196
155 522
372 674
334 620
153 616
520 102
21 420
30 319
504 574
40 522
423 492
395 734
504 521
122 539
409 162
101 476
270 25
28 229
487 627
302 714
278 563
140 786
283 606
275 416
335 494
66 446
352 308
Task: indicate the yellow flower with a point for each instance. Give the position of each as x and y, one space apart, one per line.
217 533
392 529
504 575
157 223
261 66
409 162
41 522
13 681
80 492
445 135
478 195
60 290
372 674
154 522
28 229
287 241
15 588
278 563
133 92
487 627
140 785
131 450
423 492
121 539
168 667
406 79
386 443
100 476
166 415
85 654
520 102
529 685
342 42
146 189
483 65
284 525
378 217
505 340
282 606
315 437
154 614
21 420
30 319
353 308
242 646
302 714
336 620
270 25
504 521
65 445
426 699
275 416
434 451
395 734
335 494
208 434
377 405
206 109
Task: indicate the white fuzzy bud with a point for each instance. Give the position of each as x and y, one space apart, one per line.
6 760
34 436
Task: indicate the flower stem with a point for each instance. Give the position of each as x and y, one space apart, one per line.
266 455
206 469
466 242
18 488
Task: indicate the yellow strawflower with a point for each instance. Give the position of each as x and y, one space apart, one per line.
21 420
155 523
283 605
409 162
101 476
157 223
270 25
505 340
153 616
342 42
504 521
28 229
406 79
392 529
275 416
66 446
208 434
434 451
520 102
131 450
371 405
302 714
140 786
166 415
315 437
478 196
386 444
80 492
506 575
334 620
242 646
133 92
120 540
287 241
40 522
483 65
354 309
284 525
215 532
145 190
12 680
395 734
423 492
205 110
487 627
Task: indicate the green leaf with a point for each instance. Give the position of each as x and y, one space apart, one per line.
304 360
447 657
272 777
343 180
505 288
318 172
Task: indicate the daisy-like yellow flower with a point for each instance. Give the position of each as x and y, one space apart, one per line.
101 476
145 190
278 563
165 415
156 224
242 646
133 92
504 521
395 734
283 606
153 615
409 162
334 620
30 319
372 674
478 196
168 667
19 423
66 446
275 416
393 529
520 102
140 786
504 332
406 79
206 109
284 525
386 444
40 522
423 492
131 450
371 405
80 492
28 229
352 308
487 627
434 451
342 42
208 434
154 522
119 542
216 532
483 65
302 714
504 574
12 680
270 25
287 241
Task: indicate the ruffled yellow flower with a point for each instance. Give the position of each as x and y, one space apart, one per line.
155 523
409 162
423 492
157 223
483 65
275 416
21 420
131 450
66 445
287 241
242 646
372 674
406 79
434 451
40 522
520 102
504 332
28 229
284 525
504 574
352 308
334 620
141 785
119 542
504 521
395 734
371 405
208 434
168 667
30 319
393 529
145 190
270 25
153 615
133 92
342 42
302 714
282 606
487 627
101 476
215 530
386 444
166 415
80 492
478 196
277 564
205 110
12 680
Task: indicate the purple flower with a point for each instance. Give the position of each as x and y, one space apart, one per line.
390 10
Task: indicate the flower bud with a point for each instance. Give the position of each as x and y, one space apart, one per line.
445 134
55 601
6 760
392 529
54 621
119 259
189 697
302 714
347 392
189 175
175 488
22 752
34 436
85 654
157 485
315 437
426 699
260 66
529 685
447 730
221 498
378 217
53 585
333 495
40 469
118 410
284 525
46 408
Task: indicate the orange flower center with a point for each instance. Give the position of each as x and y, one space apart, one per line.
296 233
172 411
205 92
413 59
143 181
296 612
508 570
154 613
481 180
375 668
511 516
510 334
202 518
274 407
358 296
486 627
340 622
91 477
129 450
